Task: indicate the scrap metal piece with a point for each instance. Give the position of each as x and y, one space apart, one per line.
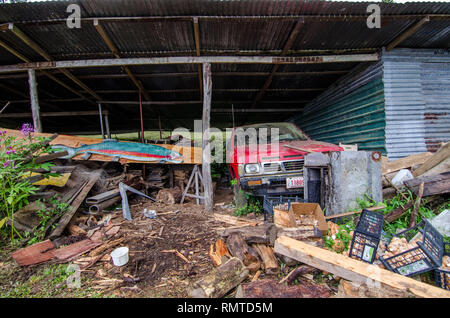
376 155
123 193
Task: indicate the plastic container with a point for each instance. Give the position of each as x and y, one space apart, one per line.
427 256
120 256
366 237
270 202
442 276
151 214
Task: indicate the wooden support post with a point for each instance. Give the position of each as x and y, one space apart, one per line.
101 120
34 101
206 157
108 132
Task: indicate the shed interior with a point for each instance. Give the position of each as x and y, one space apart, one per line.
243 93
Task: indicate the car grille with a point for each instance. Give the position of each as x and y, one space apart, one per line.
293 165
271 167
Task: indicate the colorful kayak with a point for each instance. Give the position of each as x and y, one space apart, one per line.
127 150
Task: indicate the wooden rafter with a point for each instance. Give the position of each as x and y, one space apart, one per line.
197 52
410 31
287 46
33 45
110 43
51 76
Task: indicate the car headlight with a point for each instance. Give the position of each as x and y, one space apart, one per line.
252 168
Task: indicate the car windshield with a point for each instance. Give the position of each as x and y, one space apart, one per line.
286 132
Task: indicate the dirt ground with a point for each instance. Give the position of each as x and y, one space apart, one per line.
154 268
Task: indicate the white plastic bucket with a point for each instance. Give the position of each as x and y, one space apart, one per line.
120 256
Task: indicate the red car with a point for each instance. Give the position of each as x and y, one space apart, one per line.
274 169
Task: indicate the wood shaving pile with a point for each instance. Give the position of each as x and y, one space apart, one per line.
399 245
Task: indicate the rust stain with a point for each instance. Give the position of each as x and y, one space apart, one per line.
298 59
433 116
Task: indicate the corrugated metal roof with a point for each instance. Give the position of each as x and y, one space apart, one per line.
226 28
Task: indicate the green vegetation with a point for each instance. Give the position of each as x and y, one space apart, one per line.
46 216
50 281
253 204
347 225
17 159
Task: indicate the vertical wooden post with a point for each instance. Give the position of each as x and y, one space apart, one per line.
101 120
34 100
108 132
206 154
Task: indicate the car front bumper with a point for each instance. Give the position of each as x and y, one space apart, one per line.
269 184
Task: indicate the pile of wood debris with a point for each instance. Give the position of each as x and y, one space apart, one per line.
425 174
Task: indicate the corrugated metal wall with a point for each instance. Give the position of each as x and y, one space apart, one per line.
417 100
351 111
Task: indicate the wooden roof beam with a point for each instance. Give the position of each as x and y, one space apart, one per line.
33 45
27 60
410 31
109 42
287 46
197 52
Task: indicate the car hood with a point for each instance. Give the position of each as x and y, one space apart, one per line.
281 151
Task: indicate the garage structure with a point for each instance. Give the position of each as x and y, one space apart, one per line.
269 61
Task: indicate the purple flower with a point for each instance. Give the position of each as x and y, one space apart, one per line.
6 163
9 152
26 129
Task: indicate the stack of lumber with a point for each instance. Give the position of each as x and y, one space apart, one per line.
246 248
158 177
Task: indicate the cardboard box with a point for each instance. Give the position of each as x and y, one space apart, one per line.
311 209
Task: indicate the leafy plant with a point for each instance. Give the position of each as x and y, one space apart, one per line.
46 216
17 160
253 205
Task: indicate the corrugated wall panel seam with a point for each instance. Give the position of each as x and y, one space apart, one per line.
417 87
351 111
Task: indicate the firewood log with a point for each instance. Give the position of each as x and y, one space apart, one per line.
220 280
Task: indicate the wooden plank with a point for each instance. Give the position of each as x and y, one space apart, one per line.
354 270
434 160
206 145
111 62
65 219
34 254
68 252
404 163
374 208
191 155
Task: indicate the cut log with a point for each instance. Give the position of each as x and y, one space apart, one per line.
354 270
239 248
347 289
299 233
66 253
266 288
220 280
436 184
220 253
235 220
404 163
270 263
437 158
264 234
65 219
169 196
